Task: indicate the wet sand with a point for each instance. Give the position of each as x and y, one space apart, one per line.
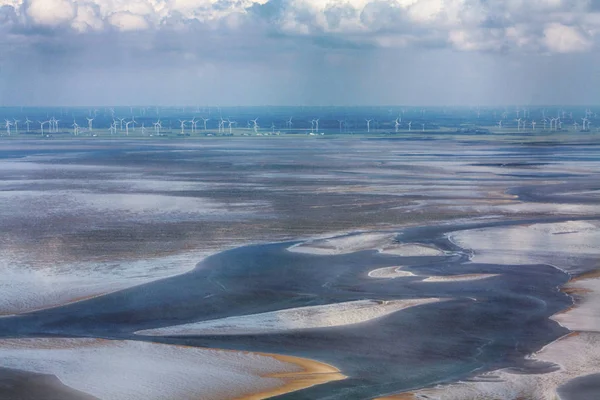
573 358
19 385
65 207
139 370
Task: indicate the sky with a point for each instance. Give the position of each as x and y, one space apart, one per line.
299 52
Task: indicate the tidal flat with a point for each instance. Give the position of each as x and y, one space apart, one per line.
447 267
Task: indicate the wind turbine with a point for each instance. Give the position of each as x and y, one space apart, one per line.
56 121
133 121
533 124
312 126
368 125
127 127
230 122
27 122
272 127
410 126
42 125
205 120
193 122
8 125
121 121
143 130
255 122
341 121
113 128
182 122
75 128
423 125
585 121
518 123
16 123
90 123
397 124
576 125
500 125
289 123
222 125
317 125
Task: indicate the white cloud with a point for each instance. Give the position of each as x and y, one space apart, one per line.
565 39
51 12
467 25
127 21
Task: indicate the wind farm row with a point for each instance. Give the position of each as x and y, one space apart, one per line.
269 121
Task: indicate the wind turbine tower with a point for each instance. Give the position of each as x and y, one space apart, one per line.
90 120
193 122
368 125
255 122
127 127
8 125
42 123
27 122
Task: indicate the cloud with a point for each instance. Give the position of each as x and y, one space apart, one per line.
566 39
50 12
465 25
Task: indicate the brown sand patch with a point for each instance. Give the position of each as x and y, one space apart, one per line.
586 275
313 373
400 396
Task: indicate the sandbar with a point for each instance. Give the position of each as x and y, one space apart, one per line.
312 317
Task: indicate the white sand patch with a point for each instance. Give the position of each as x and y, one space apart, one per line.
389 273
585 315
383 242
576 354
412 250
549 208
28 286
559 244
345 244
340 314
140 370
459 278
